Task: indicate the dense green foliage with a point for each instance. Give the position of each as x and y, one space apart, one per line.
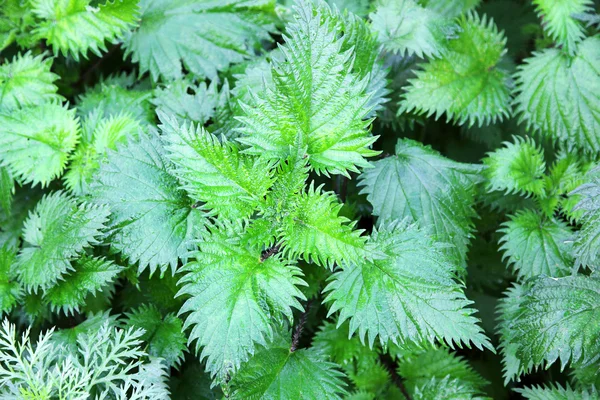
299 199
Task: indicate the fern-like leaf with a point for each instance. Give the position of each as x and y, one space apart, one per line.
76 27
466 83
152 221
558 95
314 98
236 295
410 296
56 231
204 37
549 321
537 245
27 81
35 142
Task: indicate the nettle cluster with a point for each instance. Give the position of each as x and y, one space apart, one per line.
251 199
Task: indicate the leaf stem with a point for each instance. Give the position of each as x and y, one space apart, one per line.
388 363
300 327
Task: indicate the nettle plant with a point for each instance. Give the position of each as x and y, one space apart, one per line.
342 199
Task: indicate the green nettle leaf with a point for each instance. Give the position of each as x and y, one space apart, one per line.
10 289
27 81
419 369
549 320
314 99
35 142
88 276
152 221
557 392
516 168
58 229
559 96
447 389
587 244
236 295
406 28
420 184
466 83
109 100
314 230
164 336
564 20
537 245
99 135
360 39
278 373
335 342
203 37
7 190
411 295
74 27
450 8
230 183
197 107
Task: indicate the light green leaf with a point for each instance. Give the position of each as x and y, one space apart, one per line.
314 99
420 184
587 243
27 81
35 142
559 96
236 295
111 99
313 230
229 183
58 229
10 289
406 28
537 245
75 26
516 168
164 336
564 20
204 36
198 107
466 83
549 320
556 392
447 389
410 296
419 369
276 373
106 134
152 221
450 8
88 276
